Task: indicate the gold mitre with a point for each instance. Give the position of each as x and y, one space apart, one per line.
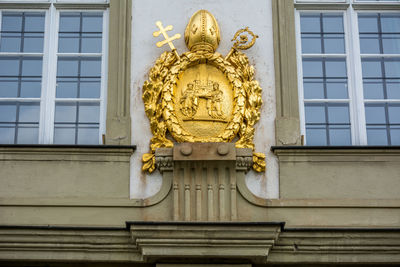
202 32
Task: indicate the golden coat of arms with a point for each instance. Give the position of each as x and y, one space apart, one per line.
201 96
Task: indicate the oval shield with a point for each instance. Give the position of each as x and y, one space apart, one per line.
203 101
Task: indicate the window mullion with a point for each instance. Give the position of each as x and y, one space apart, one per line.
300 77
357 93
51 76
1 20
104 70
351 79
43 96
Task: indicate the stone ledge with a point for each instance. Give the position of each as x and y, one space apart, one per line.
319 246
240 242
180 242
337 153
66 153
66 244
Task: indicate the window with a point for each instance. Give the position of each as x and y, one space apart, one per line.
349 73
52 74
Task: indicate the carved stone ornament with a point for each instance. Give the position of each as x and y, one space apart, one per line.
201 96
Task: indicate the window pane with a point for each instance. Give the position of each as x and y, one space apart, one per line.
336 68
22 32
338 113
8 112
90 88
333 68
91 67
332 23
67 88
12 21
91 44
379 33
9 66
336 89
334 44
392 68
393 89
77 123
312 68
395 136
28 135
311 44
369 44
10 42
33 43
84 35
7 134
31 87
29 113
391 44
8 87
382 120
322 33
339 136
92 22
315 113
394 113
64 134
78 88
390 23
89 113
65 112
377 135
34 22
371 68
313 89
68 43
368 23
88 135
19 123
32 67
310 23
375 114
316 136
74 67
373 89
70 22
68 67
328 124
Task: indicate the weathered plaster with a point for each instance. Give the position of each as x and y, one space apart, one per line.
253 13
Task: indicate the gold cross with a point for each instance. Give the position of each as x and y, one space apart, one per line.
168 40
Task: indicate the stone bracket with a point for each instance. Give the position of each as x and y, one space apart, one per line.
204 179
202 242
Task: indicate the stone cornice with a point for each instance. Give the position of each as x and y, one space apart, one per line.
364 246
337 153
66 152
149 242
240 242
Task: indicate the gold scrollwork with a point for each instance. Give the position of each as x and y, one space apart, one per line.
242 41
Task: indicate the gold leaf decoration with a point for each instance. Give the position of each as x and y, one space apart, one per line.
259 162
159 99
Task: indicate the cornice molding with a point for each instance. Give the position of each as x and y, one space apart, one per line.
241 242
147 242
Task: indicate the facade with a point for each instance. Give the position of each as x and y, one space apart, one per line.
73 131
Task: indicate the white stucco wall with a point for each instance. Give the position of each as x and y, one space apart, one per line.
231 16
